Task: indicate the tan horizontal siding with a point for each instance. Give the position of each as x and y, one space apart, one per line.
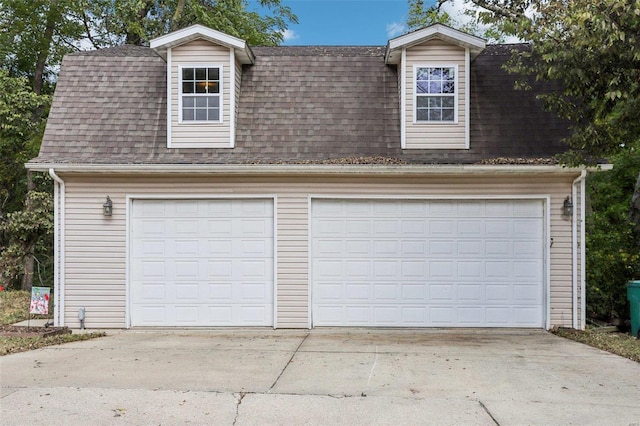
215 135
95 245
435 136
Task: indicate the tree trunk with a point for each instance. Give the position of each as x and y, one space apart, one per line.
175 20
634 214
131 37
27 261
53 16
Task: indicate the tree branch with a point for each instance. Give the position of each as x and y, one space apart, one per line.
498 10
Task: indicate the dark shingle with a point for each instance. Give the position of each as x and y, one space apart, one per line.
297 104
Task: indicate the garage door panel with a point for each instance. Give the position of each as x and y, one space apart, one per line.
428 263
202 262
357 292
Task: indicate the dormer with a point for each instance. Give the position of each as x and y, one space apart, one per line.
204 71
434 82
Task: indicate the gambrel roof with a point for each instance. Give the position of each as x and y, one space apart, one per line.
296 105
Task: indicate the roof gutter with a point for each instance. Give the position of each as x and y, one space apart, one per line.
313 169
59 246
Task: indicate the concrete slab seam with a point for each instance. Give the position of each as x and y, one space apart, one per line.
288 362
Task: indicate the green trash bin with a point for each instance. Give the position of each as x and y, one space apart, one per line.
633 295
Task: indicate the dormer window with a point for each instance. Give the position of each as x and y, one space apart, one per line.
200 94
436 90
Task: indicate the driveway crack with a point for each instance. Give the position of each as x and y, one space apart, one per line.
484 407
289 362
240 398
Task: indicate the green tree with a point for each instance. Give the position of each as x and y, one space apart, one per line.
113 22
613 257
25 234
421 15
34 36
21 125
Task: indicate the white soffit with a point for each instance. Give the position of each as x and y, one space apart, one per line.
195 32
436 31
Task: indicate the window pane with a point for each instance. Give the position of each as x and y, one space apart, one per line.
214 101
422 101
214 114
201 115
201 102
201 73
435 87
435 102
447 115
187 114
187 87
213 87
201 87
435 115
187 73
448 87
448 101
187 101
423 115
435 74
423 87
422 73
214 74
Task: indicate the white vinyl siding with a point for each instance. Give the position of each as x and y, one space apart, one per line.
438 135
200 135
96 261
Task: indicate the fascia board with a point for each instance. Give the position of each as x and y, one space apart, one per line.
313 169
197 31
439 31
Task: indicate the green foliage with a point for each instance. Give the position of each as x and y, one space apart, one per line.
21 232
467 21
613 255
137 21
25 41
20 136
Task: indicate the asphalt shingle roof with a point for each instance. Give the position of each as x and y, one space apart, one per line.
297 105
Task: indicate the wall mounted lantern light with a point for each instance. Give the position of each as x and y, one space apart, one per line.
107 207
567 207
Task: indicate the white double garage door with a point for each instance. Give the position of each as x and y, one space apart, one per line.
372 262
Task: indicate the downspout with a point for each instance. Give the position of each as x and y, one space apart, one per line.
58 244
574 248
583 250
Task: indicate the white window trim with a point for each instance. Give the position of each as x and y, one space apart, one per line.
456 83
180 94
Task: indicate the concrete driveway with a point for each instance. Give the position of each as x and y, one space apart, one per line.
326 376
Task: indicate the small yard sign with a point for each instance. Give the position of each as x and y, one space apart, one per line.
39 300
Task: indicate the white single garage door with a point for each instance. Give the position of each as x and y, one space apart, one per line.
201 262
422 263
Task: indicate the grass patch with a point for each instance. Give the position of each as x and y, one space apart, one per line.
14 307
617 343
